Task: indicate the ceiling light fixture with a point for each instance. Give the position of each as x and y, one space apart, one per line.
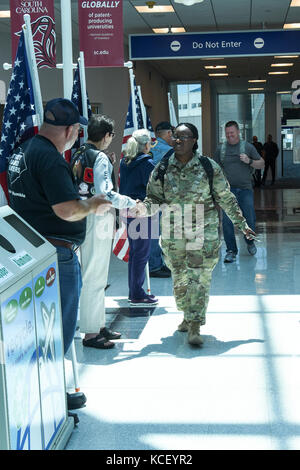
160 30
283 92
5 14
177 30
277 73
291 26
218 74
155 9
188 3
257 81
282 65
285 56
214 67
255 89
168 30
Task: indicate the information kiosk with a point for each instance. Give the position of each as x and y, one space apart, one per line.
33 410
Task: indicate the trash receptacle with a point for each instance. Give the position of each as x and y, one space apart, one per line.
33 410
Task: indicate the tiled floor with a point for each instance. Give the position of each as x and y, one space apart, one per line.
240 390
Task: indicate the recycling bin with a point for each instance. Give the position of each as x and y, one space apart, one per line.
33 409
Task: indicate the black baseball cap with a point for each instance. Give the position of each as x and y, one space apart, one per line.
64 113
164 126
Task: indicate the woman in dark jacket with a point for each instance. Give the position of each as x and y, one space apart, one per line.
135 169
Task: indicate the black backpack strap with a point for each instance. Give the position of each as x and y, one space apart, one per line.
163 166
208 168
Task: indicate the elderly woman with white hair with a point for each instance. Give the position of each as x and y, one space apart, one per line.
135 169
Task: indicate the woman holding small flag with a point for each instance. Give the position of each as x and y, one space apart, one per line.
135 170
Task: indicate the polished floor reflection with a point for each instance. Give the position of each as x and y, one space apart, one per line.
240 390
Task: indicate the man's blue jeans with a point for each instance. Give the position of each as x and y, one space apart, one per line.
70 286
246 203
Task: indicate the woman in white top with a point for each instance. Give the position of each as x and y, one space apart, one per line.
96 249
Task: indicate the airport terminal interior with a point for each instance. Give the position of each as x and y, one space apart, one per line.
240 390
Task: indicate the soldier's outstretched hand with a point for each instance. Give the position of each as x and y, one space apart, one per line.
249 234
138 211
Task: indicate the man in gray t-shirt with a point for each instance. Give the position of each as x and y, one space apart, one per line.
238 159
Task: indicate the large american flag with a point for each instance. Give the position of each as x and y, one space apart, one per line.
77 100
19 117
130 126
76 93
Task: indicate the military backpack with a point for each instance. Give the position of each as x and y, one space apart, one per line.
82 165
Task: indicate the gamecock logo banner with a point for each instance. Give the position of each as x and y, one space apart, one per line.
43 28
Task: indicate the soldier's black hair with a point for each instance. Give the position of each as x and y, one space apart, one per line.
193 130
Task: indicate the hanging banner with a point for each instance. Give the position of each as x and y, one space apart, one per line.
101 33
43 29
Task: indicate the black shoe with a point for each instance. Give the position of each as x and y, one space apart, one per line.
74 416
230 257
251 249
166 269
76 400
163 272
109 334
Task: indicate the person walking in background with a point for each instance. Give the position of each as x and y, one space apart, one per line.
238 160
191 247
257 173
93 169
270 153
135 169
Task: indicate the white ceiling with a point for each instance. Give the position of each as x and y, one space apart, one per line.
210 15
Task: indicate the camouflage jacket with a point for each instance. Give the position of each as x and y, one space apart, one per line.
187 187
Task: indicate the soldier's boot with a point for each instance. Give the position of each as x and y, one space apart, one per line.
194 333
183 327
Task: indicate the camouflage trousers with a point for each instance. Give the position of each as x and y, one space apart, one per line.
191 275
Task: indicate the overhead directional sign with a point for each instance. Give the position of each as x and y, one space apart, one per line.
223 44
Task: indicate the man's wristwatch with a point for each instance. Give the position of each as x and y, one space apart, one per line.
250 161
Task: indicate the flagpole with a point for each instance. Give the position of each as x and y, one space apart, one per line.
67 54
172 114
83 90
83 85
33 69
67 51
134 114
143 109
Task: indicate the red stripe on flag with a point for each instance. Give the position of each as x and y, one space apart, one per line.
121 244
3 182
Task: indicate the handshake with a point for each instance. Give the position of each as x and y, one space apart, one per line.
139 210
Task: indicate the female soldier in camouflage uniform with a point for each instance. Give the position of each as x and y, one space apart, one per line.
192 252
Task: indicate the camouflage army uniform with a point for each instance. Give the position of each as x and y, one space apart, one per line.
186 186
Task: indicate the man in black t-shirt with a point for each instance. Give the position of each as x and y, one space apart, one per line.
43 191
